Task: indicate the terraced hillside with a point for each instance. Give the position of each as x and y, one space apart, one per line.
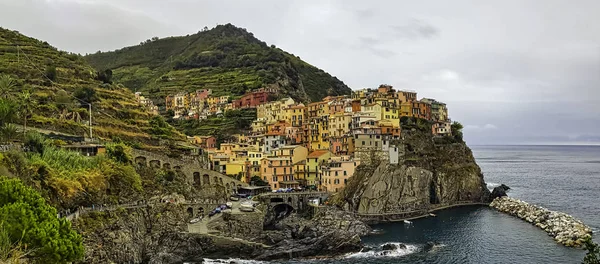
61 83
227 59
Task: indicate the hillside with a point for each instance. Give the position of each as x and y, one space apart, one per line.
226 59
61 82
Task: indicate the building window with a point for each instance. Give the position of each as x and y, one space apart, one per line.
345 173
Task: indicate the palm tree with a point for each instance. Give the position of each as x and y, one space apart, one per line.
7 111
7 86
26 107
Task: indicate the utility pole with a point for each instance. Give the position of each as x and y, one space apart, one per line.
90 110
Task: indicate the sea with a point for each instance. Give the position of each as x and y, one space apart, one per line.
561 178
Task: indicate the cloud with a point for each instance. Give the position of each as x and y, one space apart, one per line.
415 30
480 128
502 63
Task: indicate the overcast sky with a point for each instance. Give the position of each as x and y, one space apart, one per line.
513 72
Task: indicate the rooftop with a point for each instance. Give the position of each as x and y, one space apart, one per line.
317 153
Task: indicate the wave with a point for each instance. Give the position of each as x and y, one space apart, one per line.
232 260
492 185
395 250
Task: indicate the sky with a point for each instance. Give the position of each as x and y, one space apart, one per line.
512 72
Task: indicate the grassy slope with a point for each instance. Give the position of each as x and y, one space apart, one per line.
116 112
227 59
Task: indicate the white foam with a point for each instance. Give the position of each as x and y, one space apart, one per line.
378 253
232 260
492 185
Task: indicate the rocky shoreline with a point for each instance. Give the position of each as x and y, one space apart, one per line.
565 229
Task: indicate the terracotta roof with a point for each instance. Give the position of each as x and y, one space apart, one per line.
317 153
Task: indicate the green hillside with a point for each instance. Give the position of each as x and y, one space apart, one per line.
59 83
226 59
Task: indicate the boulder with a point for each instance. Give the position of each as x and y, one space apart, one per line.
430 245
497 192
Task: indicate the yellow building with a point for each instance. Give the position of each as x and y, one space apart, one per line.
237 169
295 115
339 124
392 114
254 158
211 100
314 161
372 110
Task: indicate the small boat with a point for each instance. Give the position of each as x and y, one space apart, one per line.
432 215
407 222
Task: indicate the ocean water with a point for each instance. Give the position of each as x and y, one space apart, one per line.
562 178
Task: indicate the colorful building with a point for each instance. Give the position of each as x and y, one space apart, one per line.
336 172
313 171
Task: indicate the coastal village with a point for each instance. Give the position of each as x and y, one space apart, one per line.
316 145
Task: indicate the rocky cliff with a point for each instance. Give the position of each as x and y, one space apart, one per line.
431 173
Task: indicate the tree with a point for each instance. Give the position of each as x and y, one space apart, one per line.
7 86
29 221
456 129
51 72
105 76
86 94
119 152
593 254
257 181
26 106
8 111
8 132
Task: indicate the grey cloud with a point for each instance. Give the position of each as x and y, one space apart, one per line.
414 30
501 63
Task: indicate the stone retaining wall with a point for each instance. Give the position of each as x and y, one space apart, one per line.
564 228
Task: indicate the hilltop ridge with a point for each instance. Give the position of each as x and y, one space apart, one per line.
227 59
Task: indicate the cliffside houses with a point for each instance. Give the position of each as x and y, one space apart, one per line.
203 103
147 103
319 145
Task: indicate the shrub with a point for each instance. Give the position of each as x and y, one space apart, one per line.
27 220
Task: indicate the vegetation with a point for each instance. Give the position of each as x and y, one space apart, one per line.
456 129
46 88
232 122
593 254
226 59
68 179
257 181
30 227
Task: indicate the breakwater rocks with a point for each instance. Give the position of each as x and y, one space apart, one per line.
564 228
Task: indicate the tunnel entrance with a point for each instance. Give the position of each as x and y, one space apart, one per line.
281 211
276 200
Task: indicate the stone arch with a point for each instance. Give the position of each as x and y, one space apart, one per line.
227 186
197 180
190 212
289 200
155 164
205 179
177 168
215 180
167 166
141 160
200 211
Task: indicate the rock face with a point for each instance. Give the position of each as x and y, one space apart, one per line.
330 232
158 234
564 228
428 176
